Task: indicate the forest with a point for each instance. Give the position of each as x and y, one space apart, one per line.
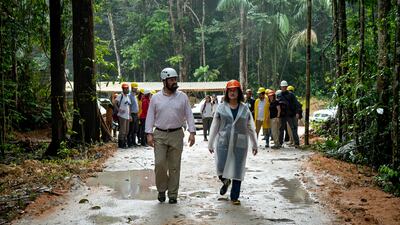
344 52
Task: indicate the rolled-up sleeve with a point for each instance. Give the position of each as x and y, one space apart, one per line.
150 118
189 117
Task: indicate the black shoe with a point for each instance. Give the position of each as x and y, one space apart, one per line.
120 144
224 187
172 201
161 196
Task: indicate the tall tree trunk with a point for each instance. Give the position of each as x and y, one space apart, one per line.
144 70
243 46
308 68
175 36
338 62
203 43
184 64
383 78
358 124
259 61
202 57
86 121
3 103
57 61
396 81
114 40
14 71
342 20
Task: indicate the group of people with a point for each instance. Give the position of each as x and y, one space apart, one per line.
129 110
277 112
232 126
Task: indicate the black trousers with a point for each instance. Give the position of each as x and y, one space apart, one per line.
133 129
292 121
142 134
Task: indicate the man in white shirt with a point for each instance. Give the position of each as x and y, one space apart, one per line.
168 111
123 105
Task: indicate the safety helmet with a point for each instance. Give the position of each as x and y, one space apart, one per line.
134 85
124 85
168 73
271 93
261 90
233 84
284 83
290 88
153 92
249 90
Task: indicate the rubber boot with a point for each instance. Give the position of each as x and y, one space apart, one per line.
120 143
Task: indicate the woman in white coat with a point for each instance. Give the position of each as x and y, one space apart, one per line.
232 134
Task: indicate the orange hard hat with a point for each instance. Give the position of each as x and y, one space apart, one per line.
124 85
233 84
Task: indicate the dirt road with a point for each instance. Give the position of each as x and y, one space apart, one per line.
125 192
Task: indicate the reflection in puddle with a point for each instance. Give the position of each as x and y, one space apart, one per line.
200 194
132 184
293 191
102 219
204 214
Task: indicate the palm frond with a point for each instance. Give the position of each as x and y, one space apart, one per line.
283 23
299 39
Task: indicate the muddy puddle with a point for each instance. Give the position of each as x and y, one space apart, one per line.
293 191
132 184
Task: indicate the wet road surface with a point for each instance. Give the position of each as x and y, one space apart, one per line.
125 192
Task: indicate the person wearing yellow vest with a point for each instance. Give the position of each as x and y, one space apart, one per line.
261 114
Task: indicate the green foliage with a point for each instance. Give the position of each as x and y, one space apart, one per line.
204 74
389 179
326 145
65 152
174 60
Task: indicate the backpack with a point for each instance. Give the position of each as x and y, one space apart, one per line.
284 104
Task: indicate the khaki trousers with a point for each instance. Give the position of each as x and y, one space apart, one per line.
290 132
123 129
259 124
275 125
168 148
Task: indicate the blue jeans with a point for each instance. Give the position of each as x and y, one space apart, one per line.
235 190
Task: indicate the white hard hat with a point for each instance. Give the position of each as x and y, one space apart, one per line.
168 73
284 83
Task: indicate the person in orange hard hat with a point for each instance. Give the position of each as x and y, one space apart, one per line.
123 107
232 134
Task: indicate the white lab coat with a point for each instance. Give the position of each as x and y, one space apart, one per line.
231 140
